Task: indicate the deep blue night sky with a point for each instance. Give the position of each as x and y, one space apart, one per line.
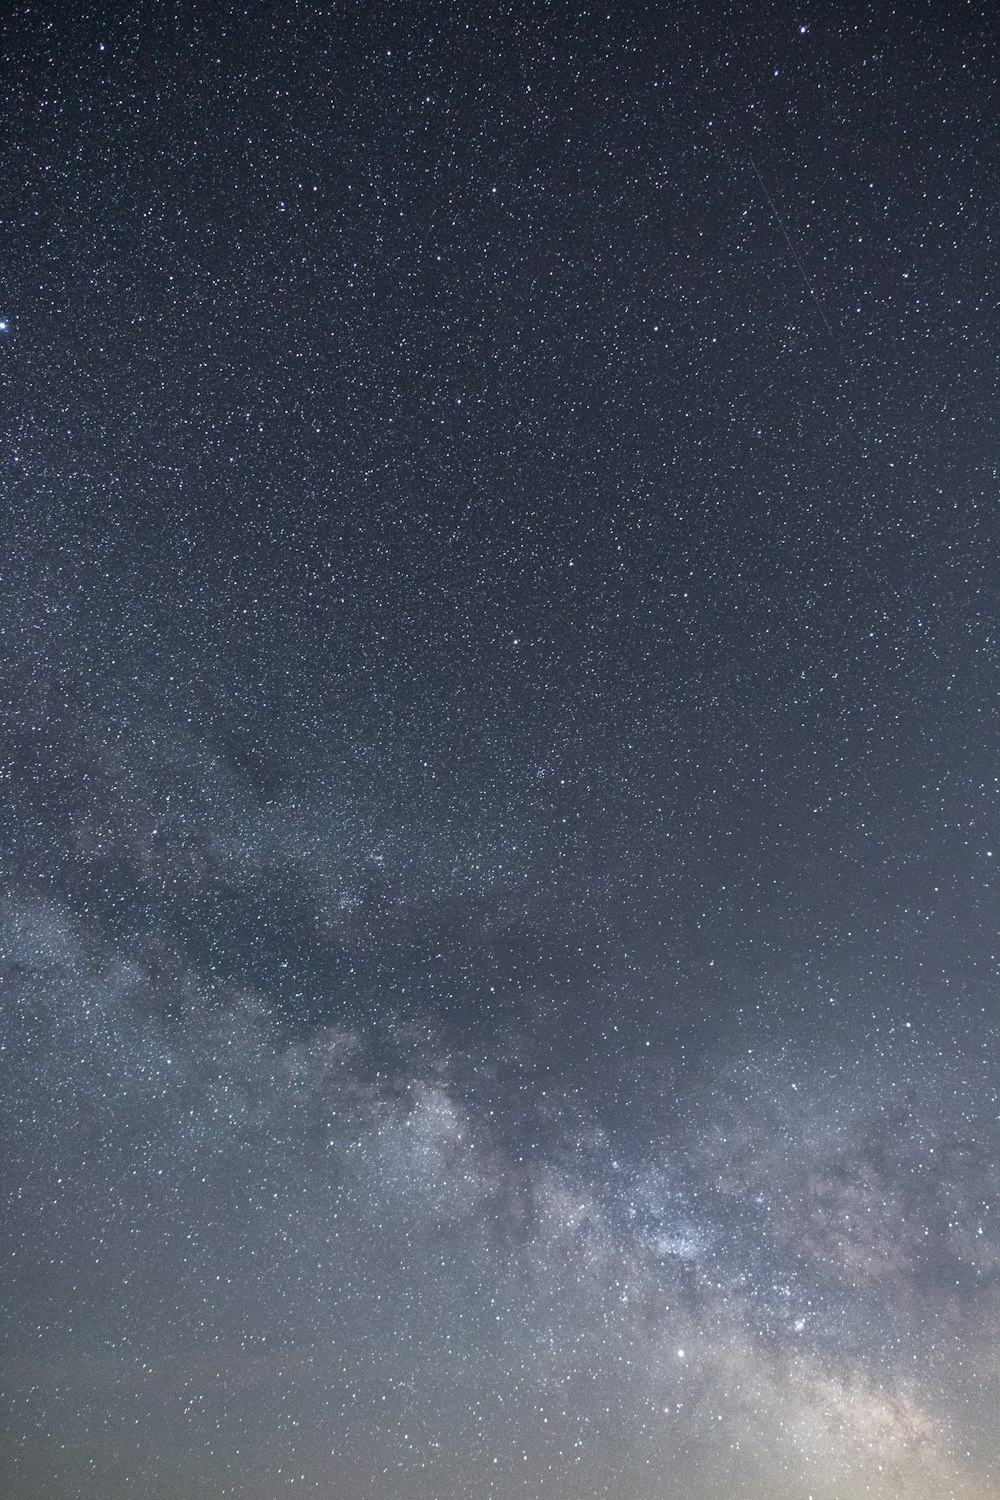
498 758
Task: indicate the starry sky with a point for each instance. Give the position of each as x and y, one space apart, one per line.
498 756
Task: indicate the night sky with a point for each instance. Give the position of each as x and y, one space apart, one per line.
498 757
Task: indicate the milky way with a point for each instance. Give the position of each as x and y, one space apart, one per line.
498 775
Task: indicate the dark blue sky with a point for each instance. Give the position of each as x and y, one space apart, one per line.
498 777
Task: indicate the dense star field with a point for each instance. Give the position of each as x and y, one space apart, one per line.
498 769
